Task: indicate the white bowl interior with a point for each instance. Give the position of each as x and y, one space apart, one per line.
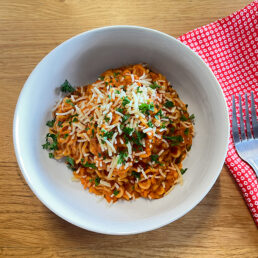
80 60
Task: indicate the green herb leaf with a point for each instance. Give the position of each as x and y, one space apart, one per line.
154 86
121 157
158 114
107 135
88 165
51 155
67 87
115 74
117 92
127 130
125 117
155 158
99 154
60 124
120 110
163 125
145 108
136 174
101 78
93 132
183 170
192 117
150 124
97 181
175 139
186 131
70 161
183 118
138 90
169 104
106 118
50 123
48 145
116 192
75 120
66 135
125 101
68 101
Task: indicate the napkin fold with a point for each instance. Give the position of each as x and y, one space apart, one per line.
229 47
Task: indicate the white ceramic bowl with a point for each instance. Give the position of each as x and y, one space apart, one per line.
80 60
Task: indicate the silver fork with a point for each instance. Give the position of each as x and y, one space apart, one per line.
246 145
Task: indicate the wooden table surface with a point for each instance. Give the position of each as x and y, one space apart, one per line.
220 226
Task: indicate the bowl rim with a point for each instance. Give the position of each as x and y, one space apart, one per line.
147 228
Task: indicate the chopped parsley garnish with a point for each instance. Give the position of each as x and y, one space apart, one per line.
95 125
51 155
169 104
50 123
70 162
125 117
183 170
88 165
92 131
67 87
159 113
115 74
154 86
139 137
186 131
138 90
68 101
146 108
107 135
155 158
101 78
75 120
106 118
116 192
66 135
163 125
60 123
109 96
117 92
121 157
175 139
183 118
106 83
99 154
150 124
120 110
136 174
127 130
125 101
48 145
192 117
97 181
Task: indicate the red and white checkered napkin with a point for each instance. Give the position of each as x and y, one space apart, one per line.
229 47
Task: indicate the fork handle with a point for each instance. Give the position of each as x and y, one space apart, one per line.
254 164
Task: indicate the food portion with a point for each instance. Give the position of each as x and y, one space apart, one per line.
124 136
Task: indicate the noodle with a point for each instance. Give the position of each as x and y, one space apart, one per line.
124 136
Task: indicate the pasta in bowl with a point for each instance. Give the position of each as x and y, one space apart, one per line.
124 136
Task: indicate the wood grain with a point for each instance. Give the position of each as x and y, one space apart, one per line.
220 226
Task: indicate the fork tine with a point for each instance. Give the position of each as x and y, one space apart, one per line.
247 120
242 125
254 118
234 122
